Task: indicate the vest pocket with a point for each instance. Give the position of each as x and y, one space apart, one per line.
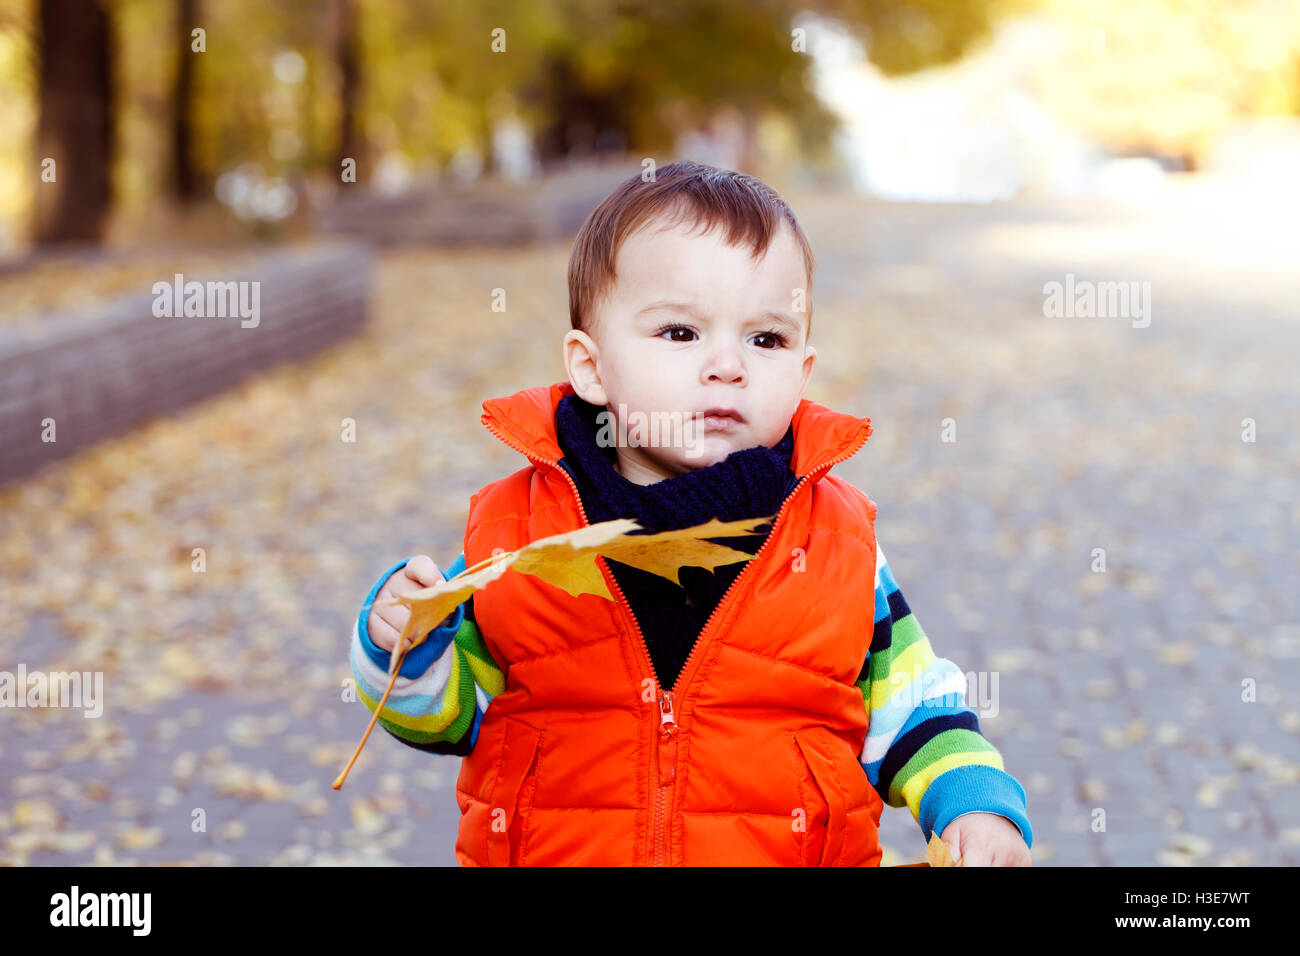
827 819
512 792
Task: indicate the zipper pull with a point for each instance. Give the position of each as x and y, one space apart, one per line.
666 723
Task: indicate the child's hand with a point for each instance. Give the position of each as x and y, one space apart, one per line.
986 839
386 621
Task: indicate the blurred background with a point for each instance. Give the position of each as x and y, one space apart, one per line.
1095 505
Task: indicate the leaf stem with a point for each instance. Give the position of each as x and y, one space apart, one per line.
338 781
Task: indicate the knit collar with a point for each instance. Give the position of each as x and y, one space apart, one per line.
748 483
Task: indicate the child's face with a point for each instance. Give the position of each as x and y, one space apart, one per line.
693 324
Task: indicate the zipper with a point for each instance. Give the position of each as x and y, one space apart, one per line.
664 755
667 768
663 769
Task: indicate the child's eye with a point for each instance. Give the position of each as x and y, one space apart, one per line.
675 328
780 339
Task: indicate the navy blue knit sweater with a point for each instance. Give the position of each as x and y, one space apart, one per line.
750 483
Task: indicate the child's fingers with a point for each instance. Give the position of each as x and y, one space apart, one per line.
394 615
423 571
383 633
976 853
386 621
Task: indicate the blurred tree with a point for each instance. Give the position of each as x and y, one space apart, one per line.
75 129
399 84
1169 76
347 47
638 67
185 177
902 36
412 86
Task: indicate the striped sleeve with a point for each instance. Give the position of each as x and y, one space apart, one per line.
444 686
924 749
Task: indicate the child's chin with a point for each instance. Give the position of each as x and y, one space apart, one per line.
706 452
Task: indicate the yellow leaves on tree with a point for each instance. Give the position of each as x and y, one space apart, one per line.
566 561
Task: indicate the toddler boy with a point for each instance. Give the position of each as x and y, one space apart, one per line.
758 714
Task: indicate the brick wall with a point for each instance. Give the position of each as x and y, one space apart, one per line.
99 373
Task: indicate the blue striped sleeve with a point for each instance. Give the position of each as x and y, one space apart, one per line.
924 749
445 683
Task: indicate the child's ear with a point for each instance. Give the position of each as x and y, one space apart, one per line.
580 358
809 361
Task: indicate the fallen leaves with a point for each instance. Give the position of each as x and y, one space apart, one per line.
1210 791
35 813
140 838
366 817
1184 849
1133 733
241 781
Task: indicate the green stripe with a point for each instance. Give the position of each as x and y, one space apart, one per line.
954 740
904 632
466 702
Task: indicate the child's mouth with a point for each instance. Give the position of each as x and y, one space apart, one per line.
722 419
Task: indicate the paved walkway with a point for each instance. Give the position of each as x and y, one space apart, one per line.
1118 692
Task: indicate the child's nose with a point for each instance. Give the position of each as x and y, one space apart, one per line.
725 364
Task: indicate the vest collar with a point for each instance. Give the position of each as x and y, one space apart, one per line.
526 422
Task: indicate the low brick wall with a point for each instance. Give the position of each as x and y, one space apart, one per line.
99 373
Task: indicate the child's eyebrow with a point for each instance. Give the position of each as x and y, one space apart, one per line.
666 306
686 308
780 318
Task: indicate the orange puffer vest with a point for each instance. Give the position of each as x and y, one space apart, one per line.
750 758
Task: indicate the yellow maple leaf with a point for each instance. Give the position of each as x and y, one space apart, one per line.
568 561
667 552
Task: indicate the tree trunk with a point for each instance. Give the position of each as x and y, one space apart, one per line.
185 176
348 55
76 122
580 122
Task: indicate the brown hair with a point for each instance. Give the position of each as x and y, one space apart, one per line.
751 211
